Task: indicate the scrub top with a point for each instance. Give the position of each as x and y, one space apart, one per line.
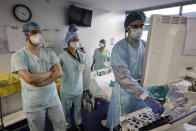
101 59
72 79
36 98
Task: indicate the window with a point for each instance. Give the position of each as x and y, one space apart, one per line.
189 10
165 11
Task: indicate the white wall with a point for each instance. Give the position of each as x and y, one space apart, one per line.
52 15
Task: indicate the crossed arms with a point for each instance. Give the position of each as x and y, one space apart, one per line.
41 79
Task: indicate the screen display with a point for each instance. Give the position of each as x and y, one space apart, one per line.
79 16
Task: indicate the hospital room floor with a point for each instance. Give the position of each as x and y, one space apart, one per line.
92 122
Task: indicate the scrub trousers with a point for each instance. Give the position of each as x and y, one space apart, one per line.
67 105
36 120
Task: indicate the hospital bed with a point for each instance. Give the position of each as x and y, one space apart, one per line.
100 83
100 87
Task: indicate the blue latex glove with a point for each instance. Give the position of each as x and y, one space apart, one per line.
154 105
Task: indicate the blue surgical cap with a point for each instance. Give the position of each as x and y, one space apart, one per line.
29 26
69 36
132 17
72 27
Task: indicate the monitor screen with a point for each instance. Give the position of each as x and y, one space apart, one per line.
164 61
79 16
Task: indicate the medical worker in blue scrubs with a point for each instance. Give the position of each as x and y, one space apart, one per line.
72 63
101 57
126 61
38 68
75 29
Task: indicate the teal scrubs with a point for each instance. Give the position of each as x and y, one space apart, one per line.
36 98
39 101
101 59
72 85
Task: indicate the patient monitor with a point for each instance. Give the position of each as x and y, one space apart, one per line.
164 60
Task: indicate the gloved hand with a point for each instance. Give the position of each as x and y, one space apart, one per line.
154 105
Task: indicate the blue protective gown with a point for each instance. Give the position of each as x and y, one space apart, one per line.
127 61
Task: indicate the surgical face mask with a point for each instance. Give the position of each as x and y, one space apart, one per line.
74 45
37 39
136 33
101 45
77 32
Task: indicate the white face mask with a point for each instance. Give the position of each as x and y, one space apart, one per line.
101 45
136 33
37 39
74 45
77 32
